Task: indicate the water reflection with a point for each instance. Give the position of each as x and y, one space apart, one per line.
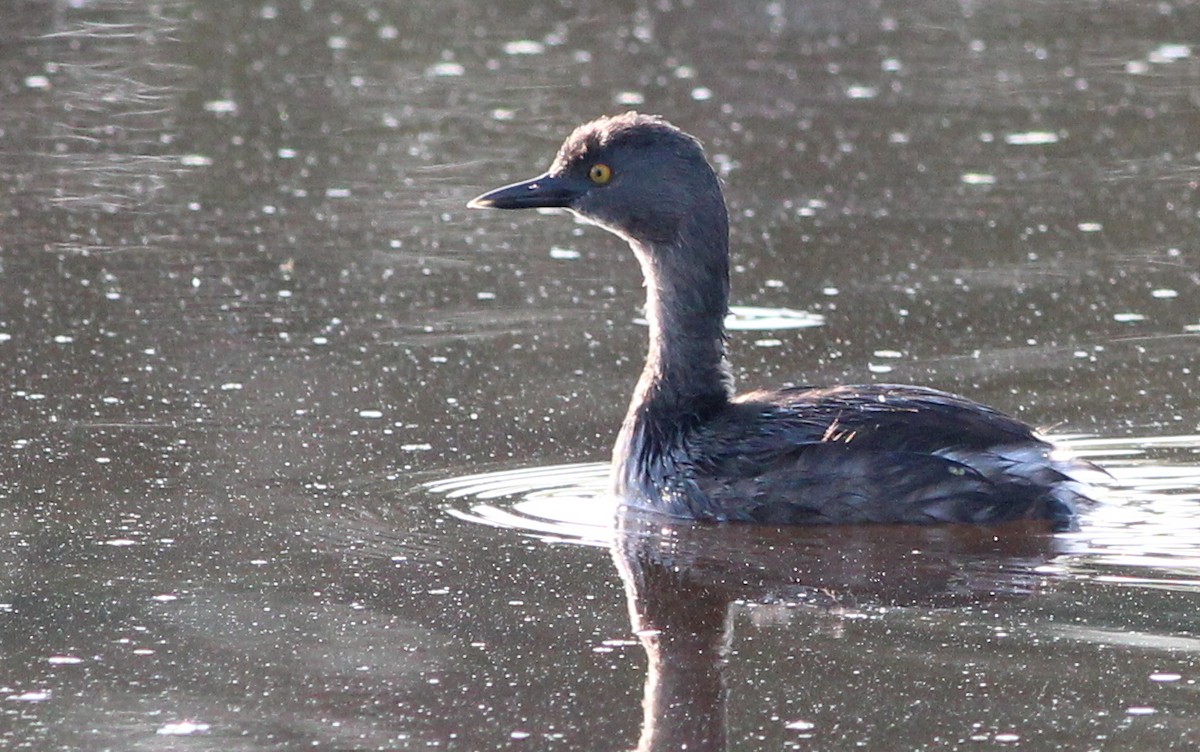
682 580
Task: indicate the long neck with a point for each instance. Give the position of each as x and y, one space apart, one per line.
687 298
686 377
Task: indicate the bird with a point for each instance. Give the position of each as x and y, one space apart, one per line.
689 448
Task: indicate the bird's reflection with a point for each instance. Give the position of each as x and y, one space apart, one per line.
681 580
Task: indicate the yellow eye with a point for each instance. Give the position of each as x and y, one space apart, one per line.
600 174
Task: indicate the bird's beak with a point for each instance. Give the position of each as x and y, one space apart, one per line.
545 191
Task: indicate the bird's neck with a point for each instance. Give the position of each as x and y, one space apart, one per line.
686 366
686 377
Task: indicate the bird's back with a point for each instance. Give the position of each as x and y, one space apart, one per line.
879 453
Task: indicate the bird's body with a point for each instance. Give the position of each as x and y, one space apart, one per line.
804 455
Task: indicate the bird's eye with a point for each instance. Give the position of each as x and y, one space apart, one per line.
600 173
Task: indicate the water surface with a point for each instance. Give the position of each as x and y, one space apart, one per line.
302 454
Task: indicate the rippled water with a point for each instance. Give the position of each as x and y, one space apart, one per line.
302 454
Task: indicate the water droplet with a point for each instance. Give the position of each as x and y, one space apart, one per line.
524 47
446 68
978 178
862 92
183 728
221 106
1031 138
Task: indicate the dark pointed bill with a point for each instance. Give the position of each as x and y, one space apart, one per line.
544 191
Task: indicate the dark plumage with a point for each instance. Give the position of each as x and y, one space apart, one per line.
805 455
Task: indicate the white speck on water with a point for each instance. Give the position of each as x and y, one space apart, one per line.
978 178
231 386
64 660
768 343
5 336
165 598
1007 738
1137 67
320 340
1140 710
63 339
416 447
862 92
37 695
754 318
1169 53
520 735
524 47
338 43
879 368
888 354
1090 226
702 93
629 98
773 283
221 106
503 114
1164 293
1165 677
565 254
891 65
337 193
195 160
104 460
371 414
830 291
800 726
183 728
446 68
286 153
37 82
120 543
897 137
388 32
485 295
284 293
685 71
1031 138
1128 318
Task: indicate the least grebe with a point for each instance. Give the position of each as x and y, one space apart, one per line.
802 455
